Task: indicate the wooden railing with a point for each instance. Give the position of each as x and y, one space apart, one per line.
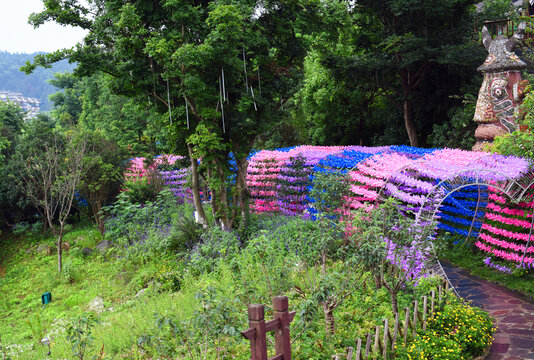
377 345
381 343
508 28
257 333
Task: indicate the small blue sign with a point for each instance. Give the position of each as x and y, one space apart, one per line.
46 297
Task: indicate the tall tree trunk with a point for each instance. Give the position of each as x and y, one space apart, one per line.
330 320
223 196
408 122
195 188
60 249
243 194
408 108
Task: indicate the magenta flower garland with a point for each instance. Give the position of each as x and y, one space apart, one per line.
137 169
505 234
279 183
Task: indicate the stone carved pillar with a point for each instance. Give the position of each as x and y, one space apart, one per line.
501 90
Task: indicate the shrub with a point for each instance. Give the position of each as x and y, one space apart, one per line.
130 223
214 244
145 189
69 273
431 345
21 228
210 332
458 331
79 334
185 233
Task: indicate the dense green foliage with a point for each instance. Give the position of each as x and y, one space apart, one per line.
187 300
213 80
521 141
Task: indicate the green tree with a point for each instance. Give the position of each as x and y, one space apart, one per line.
11 122
493 10
129 122
66 103
220 71
13 204
336 110
410 50
51 173
103 179
459 132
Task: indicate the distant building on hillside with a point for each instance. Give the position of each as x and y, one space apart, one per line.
30 105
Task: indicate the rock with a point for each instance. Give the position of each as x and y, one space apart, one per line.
124 277
96 305
140 293
65 246
87 251
103 245
45 249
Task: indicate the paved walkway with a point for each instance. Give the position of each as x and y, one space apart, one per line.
514 339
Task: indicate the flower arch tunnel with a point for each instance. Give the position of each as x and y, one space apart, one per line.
489 199
474 195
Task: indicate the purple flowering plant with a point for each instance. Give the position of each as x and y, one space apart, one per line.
393 246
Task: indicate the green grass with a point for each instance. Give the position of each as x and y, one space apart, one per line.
466 257
24 321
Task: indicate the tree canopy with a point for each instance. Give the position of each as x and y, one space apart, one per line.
214 79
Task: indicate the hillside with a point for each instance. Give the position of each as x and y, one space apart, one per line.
34 85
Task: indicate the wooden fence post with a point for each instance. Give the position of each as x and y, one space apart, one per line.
257 333
406 323
256 320
425 304
415 316
385 339
282 340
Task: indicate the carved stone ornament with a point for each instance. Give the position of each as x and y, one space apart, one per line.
500 93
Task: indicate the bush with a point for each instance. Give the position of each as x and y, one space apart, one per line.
209 333
459 331
21 228
69 272
144 190
215 245
129 223
431 346
185 234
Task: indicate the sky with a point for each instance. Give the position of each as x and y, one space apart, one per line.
20 37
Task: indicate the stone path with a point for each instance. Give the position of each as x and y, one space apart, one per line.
514 339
